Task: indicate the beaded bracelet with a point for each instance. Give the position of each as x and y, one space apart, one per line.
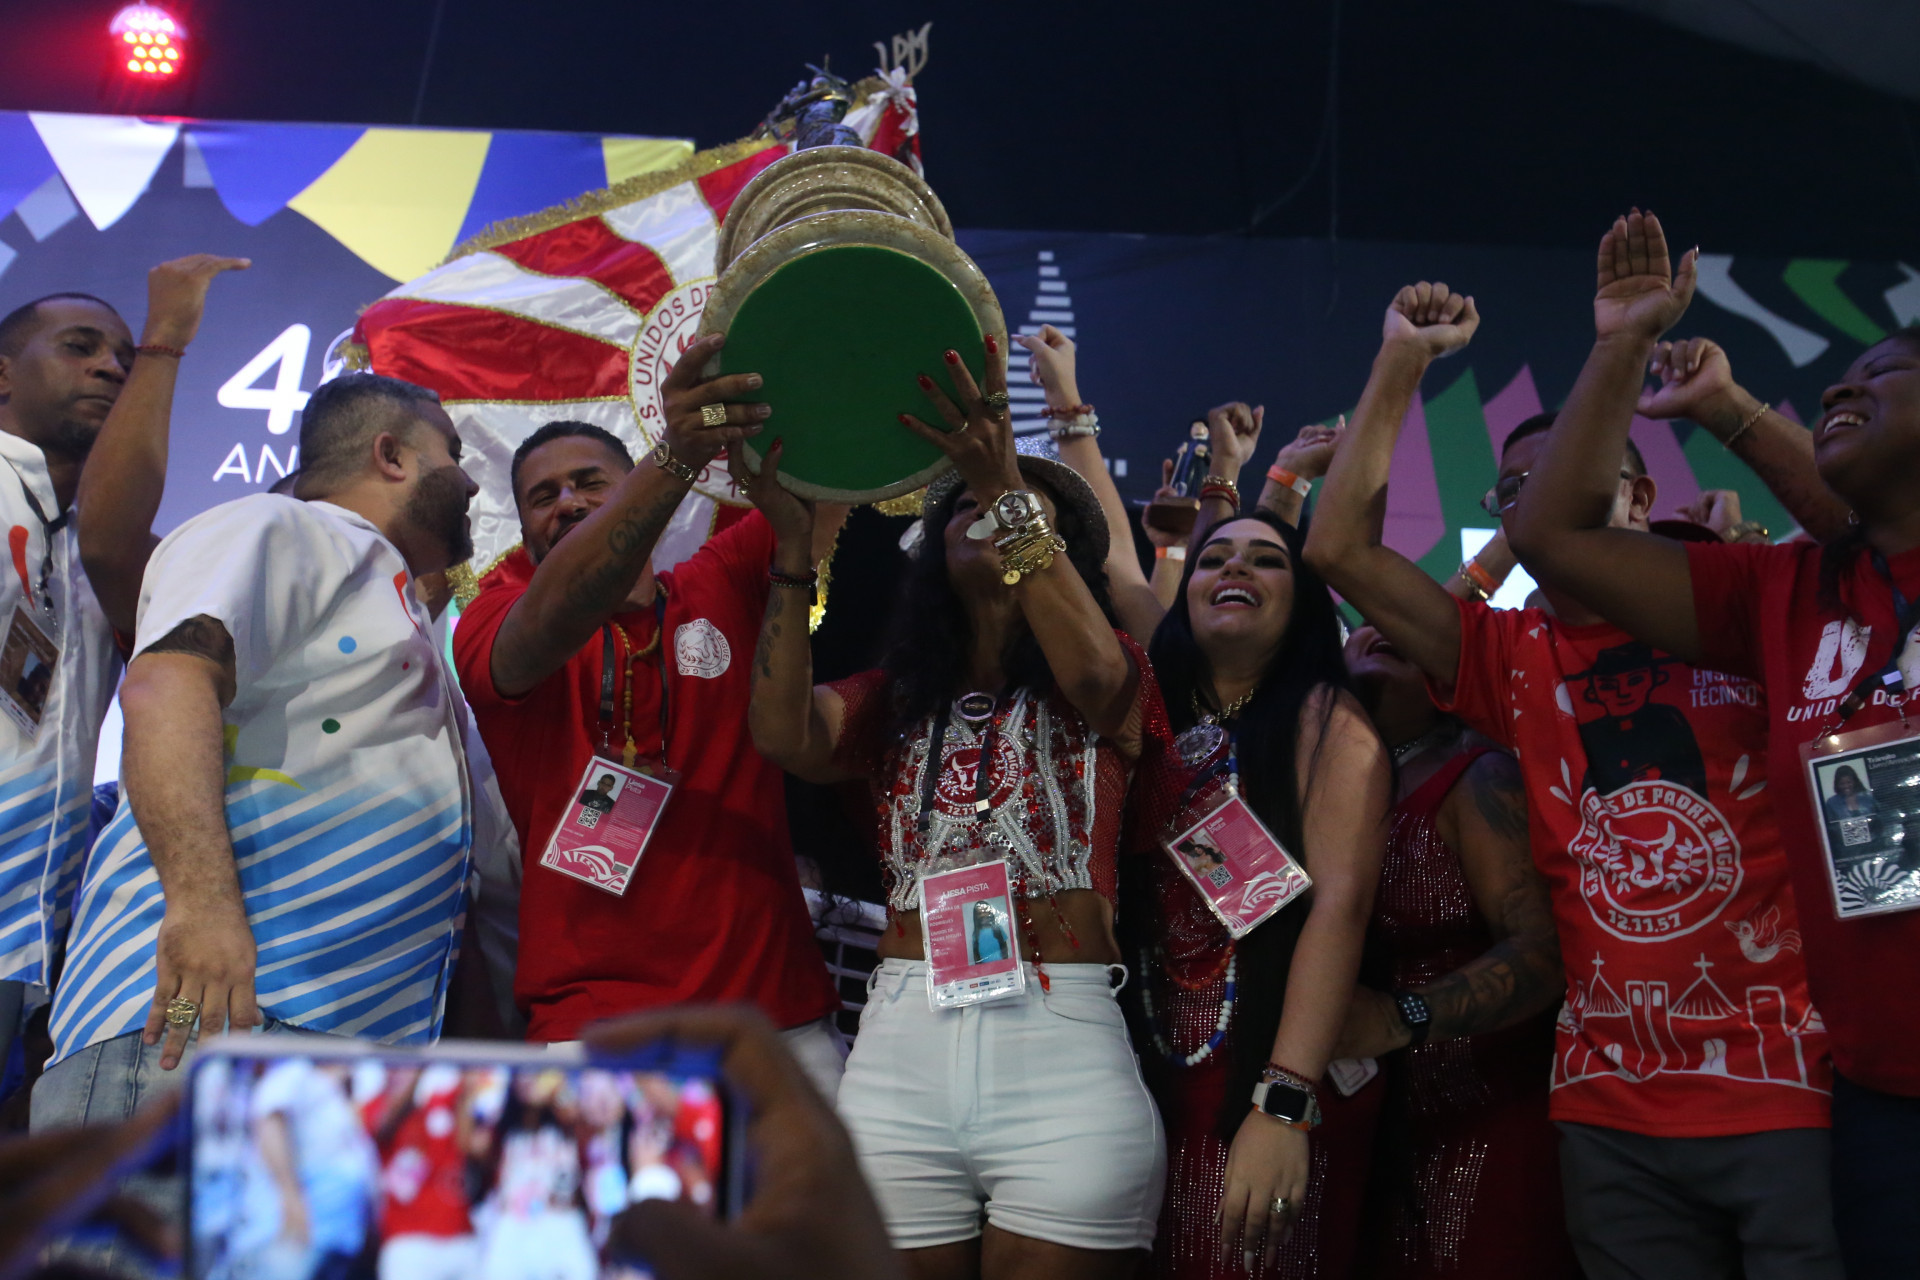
779 579
1086 424
1274 1073
1280 475
1068 411
160 349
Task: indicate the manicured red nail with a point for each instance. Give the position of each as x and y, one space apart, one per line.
993 345
905 421
953 357
926 383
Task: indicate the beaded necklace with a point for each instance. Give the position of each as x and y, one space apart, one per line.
1163 1042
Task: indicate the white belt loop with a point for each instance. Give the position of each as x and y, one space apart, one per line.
1121 984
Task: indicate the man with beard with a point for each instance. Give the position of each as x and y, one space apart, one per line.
64 360
575 655
295 847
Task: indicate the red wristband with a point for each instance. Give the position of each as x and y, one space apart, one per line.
159 349
1071 411
1280 475
1479 577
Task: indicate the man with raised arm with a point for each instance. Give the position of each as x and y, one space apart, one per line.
1828 634
1690 1076
294 846
66 360
576 655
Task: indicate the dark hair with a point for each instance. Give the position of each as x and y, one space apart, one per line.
341 418
931 643
563 429
20 324
1540 423
1852 774
1841 550
1304 671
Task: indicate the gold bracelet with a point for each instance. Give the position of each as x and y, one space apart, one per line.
1746 426
1027 549
663 458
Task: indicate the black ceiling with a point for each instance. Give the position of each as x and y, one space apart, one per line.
1482 121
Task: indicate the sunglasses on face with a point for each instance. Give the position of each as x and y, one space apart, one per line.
1499 499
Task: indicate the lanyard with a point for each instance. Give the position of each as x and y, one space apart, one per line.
628 752
937 765
1907 613
47 529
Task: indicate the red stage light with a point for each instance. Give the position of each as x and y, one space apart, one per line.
152 39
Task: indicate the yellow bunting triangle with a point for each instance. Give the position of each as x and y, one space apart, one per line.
398 197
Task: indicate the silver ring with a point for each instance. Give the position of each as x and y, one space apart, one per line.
713 415
1279 1208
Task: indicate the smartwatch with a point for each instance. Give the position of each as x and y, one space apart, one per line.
1415 1013
1287 1103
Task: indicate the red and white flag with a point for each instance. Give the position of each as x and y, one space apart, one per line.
574 313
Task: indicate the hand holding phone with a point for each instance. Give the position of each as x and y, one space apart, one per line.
811 1215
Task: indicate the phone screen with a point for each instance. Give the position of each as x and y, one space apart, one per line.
337 1164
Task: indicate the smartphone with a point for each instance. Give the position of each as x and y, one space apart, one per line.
316 1158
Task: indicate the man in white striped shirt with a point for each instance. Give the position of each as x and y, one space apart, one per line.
295 847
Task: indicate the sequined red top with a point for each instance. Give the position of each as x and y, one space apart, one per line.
1054 795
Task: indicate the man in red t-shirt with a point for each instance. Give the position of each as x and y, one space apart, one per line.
422 1123
1690 1077
575 652
1820 630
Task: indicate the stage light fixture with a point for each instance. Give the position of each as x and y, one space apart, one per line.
152 41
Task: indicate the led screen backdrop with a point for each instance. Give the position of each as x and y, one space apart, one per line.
336 216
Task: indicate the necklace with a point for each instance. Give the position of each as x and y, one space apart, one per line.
1408 750
1227 712
1161 1041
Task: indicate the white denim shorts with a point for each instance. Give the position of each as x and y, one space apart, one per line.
1029 1109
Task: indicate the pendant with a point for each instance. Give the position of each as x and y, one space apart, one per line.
1199 743
975 707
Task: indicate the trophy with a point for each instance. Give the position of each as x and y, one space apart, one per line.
839 283
1177 513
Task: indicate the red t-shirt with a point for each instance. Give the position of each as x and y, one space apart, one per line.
1760 616
423 1170
1648 800
714 911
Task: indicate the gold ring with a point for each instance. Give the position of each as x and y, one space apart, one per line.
182 1013
995 400
713 415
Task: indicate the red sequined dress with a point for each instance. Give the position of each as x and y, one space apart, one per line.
1181 984
1464 1165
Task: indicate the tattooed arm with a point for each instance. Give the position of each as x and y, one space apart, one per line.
1484 820
795 724
174 770
588 576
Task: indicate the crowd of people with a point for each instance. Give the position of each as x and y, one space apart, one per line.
1423 939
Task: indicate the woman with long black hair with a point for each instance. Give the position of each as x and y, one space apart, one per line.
1001 727
1240 1033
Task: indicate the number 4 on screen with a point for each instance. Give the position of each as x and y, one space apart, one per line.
289 351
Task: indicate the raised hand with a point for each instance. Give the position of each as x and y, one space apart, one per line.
684 394
177 295
1053 366
790 515
1715 509
1431 317
1310 453
1695 379
1640 296
1233 431
978 438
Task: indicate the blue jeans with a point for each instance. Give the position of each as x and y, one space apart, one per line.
1876 1165
105 1083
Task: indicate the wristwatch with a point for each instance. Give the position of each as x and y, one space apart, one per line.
1009 511
1287 1103
1415 1013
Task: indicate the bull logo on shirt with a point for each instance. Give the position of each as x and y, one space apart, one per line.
1843 648
1656 858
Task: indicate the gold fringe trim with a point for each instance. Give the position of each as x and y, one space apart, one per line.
638 187
465 583
907 504
355 357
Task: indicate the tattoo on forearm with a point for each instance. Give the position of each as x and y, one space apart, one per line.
201 636
602 586
1520 974
769 634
